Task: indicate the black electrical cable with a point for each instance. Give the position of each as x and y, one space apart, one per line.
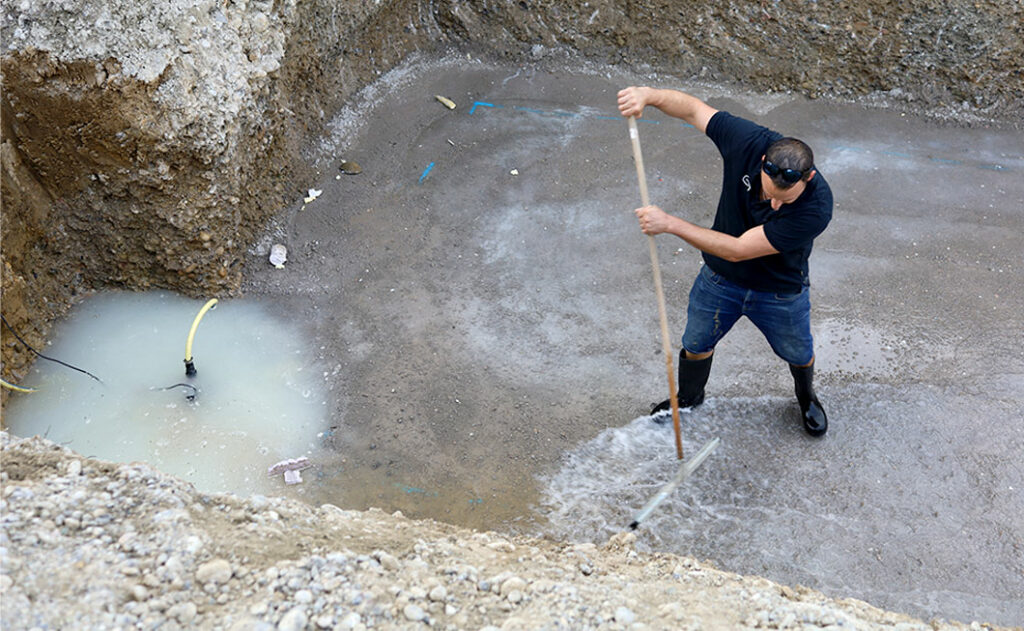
190 397
15 333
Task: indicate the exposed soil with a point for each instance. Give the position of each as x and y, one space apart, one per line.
158 147
89 544
151 155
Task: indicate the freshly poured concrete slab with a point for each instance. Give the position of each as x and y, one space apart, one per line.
482 301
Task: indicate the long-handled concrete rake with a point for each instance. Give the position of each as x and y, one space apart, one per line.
705 451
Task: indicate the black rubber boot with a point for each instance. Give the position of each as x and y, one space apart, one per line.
693 375
811 412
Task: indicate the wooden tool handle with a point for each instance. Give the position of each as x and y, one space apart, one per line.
666 344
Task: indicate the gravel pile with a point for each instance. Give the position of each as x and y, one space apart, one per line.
98 545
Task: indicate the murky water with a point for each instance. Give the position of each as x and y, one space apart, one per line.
258 396
895 491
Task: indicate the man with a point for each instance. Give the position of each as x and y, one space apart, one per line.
773 204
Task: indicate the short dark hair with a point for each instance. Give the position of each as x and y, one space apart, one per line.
790 153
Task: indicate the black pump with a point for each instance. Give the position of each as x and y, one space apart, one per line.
693 375
811 412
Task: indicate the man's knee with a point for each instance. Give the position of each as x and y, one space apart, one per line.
807 365
698 356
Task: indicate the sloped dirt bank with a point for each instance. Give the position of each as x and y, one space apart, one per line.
145 145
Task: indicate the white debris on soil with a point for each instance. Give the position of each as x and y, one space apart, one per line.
92 544
278 255
291 468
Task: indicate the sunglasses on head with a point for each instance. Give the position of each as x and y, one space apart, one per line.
789 176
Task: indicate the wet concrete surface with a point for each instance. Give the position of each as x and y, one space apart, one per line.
483 304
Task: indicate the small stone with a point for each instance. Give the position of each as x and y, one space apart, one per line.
515 596
183 612
294 620
174 566
140 593
438 594
217 571
414 613
251 624
512 584
625 616
325 621
387 561
74 468
304 596
348 167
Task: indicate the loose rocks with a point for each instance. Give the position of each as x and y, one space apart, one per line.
147 551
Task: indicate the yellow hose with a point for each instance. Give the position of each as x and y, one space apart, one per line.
195 325
16 388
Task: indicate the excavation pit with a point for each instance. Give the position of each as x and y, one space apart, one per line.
479 303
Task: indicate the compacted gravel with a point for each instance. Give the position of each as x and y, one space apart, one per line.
88 544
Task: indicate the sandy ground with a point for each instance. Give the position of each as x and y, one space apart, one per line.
483 299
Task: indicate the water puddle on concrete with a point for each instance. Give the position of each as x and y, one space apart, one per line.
901 505
258 396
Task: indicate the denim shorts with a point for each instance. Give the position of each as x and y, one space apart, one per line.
716 304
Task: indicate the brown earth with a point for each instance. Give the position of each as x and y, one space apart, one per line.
103 186
100 188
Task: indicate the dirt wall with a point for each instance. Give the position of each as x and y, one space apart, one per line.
147 144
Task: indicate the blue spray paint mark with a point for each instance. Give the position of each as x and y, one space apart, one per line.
481 104
946 161
413 489
426 171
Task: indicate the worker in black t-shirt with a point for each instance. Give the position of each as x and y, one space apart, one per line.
773 204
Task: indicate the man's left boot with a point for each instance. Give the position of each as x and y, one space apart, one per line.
811 412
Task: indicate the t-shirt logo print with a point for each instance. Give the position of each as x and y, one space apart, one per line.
746 182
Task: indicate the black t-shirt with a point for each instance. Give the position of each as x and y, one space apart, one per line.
791 229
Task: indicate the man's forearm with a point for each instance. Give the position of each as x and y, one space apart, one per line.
751 244
704 239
